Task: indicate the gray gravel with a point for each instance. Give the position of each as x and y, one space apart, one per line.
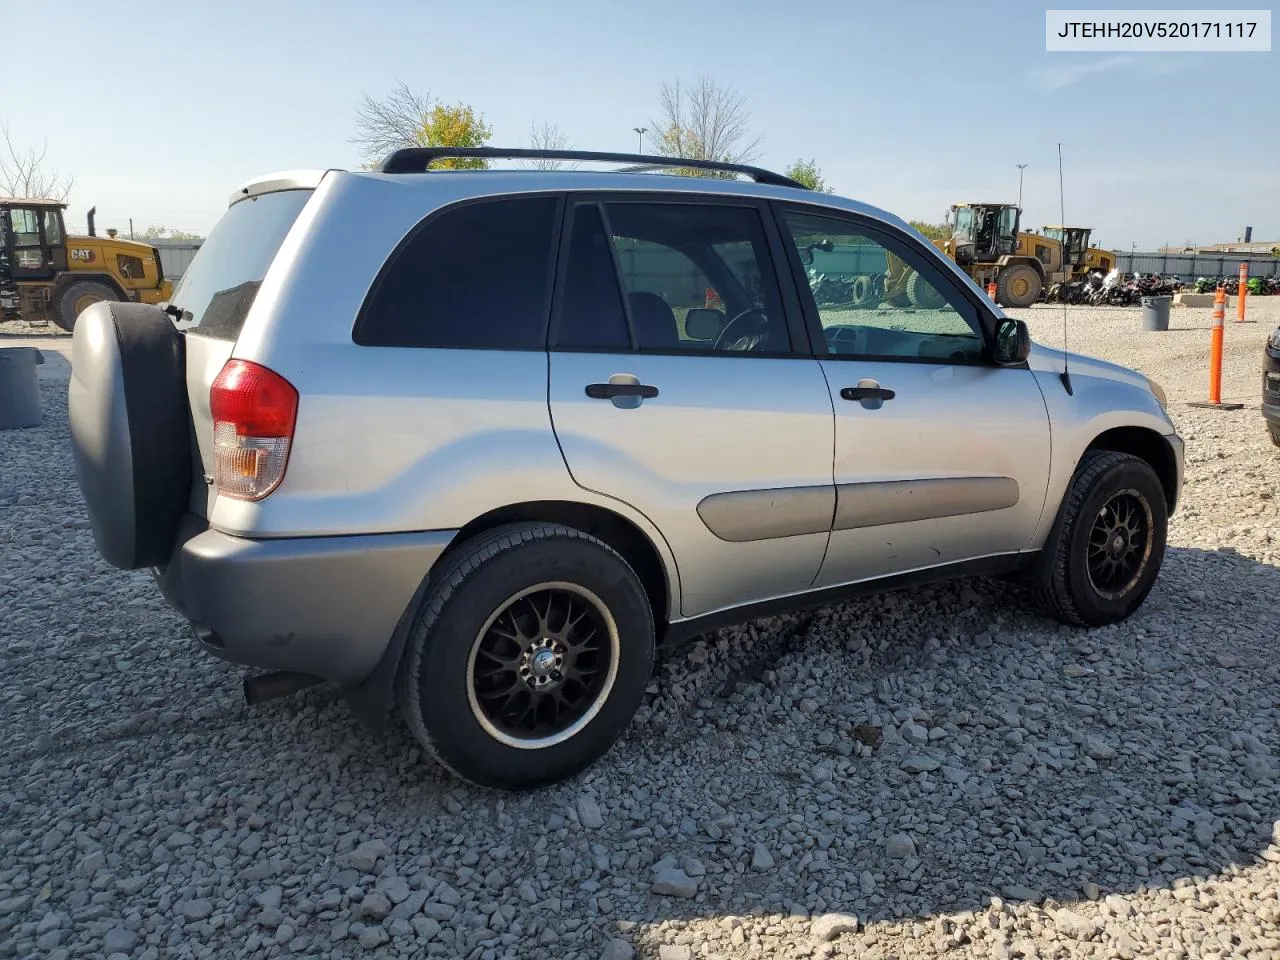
924 773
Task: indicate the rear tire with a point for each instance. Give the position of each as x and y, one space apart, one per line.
1017 286
1107 544
77 297
528 657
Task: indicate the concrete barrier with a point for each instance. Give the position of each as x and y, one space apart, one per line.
1195 300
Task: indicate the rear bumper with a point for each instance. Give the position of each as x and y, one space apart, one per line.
326 606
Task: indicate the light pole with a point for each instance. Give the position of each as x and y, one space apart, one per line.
1021 167
641 131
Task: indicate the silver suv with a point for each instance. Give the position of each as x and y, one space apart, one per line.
485 437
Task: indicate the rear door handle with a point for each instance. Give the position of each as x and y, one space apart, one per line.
867 393
607 391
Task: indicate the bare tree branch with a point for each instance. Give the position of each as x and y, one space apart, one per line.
22 173
706 122
398 120
548 136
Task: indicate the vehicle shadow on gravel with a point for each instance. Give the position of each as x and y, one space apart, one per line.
907 755
1019 758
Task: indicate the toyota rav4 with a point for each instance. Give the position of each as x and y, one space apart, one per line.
481 439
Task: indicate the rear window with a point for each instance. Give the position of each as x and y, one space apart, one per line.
218 288
475 276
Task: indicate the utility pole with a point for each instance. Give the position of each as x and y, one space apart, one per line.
641 131
1021 167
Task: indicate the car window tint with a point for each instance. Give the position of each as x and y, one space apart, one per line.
474 276
680 257
222 280
877 301
591 312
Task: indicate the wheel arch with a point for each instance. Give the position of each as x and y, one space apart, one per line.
1032 262
70 278
614 529
1146 445
371 699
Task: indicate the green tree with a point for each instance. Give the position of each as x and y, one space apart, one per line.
932 231
807 173
404 118
166 233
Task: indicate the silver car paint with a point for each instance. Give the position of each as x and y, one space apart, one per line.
206 356
946 421
1104 396
406 440
718 424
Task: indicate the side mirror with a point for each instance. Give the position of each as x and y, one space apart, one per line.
1013 343
703 323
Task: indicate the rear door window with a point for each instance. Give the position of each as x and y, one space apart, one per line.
474 276
219 286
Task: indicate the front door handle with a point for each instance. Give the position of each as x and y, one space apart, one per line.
867 393
608 391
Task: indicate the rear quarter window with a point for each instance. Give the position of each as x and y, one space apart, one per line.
472 276
218 288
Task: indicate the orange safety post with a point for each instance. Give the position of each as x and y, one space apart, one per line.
1215 346
991 291
1244 292
1215 355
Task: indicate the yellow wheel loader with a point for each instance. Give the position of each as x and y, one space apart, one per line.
1083 258
46 275
984 242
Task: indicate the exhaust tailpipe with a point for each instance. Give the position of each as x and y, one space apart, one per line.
89 215
281 683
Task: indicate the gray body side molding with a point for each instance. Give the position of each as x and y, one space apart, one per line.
901 501
743 515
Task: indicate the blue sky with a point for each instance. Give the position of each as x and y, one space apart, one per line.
907 105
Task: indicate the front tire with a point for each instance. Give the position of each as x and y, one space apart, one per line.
1106 547
1017 286
528 657
1274 430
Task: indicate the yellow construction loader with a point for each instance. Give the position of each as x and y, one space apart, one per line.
984 242
47 275
1083 258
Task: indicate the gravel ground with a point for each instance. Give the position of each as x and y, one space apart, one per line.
924 773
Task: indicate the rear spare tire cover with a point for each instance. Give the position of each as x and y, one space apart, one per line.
130 431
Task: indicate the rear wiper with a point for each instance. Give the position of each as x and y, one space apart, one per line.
177 312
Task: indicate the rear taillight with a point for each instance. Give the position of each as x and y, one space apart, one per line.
254 411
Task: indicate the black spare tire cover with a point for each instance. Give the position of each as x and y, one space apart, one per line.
130 431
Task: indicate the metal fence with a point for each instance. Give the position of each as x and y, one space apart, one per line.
176 256
1188 266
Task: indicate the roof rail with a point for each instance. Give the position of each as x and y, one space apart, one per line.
418 159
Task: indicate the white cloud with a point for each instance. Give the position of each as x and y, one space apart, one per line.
1064 75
